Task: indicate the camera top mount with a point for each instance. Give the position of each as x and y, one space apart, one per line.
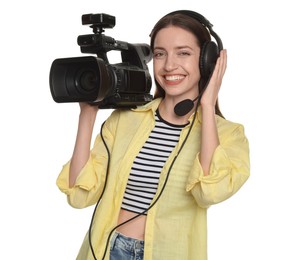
98 22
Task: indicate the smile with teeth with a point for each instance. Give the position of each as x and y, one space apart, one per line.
173 77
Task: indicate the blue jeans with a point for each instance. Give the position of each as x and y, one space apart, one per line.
126 248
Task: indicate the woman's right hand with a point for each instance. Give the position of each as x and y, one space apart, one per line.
88 108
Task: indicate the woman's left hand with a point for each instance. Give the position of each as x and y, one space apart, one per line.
211 92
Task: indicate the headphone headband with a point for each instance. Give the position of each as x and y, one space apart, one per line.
201 19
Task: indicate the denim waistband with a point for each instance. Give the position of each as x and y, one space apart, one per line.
128 243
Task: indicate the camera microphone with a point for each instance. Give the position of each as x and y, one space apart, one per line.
185 106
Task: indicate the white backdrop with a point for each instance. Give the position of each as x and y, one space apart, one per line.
262 90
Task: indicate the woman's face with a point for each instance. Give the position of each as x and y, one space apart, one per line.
176 63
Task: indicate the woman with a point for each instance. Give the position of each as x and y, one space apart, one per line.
157 172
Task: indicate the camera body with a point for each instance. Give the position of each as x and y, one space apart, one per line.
93 79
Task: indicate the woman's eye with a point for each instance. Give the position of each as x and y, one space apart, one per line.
158 54
184 53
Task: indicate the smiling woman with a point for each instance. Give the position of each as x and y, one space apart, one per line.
157 171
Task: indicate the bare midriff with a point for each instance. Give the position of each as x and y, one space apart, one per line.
135 228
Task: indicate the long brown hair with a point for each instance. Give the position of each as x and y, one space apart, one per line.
195 27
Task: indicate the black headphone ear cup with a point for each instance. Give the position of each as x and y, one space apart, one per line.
208 58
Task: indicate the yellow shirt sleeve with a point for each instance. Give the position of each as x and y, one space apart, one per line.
229 169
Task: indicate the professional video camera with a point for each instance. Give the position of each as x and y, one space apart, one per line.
93 80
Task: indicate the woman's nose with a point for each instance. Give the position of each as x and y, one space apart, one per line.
170 63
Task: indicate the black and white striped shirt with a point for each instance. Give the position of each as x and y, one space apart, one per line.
145 172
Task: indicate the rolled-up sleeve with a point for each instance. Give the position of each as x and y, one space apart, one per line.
90 181
229 170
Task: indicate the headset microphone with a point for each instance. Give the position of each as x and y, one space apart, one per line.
185 106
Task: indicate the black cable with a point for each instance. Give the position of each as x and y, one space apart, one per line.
155 201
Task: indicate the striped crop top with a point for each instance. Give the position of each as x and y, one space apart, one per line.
145 172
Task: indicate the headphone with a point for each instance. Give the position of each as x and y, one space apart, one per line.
209 50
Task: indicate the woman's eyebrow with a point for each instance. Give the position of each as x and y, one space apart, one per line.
177 48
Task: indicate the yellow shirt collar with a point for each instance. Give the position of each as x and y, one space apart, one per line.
154 104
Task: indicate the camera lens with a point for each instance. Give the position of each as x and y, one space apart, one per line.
87 80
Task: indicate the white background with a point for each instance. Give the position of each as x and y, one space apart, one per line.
262 90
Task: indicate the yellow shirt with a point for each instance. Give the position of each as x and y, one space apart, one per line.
176 227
